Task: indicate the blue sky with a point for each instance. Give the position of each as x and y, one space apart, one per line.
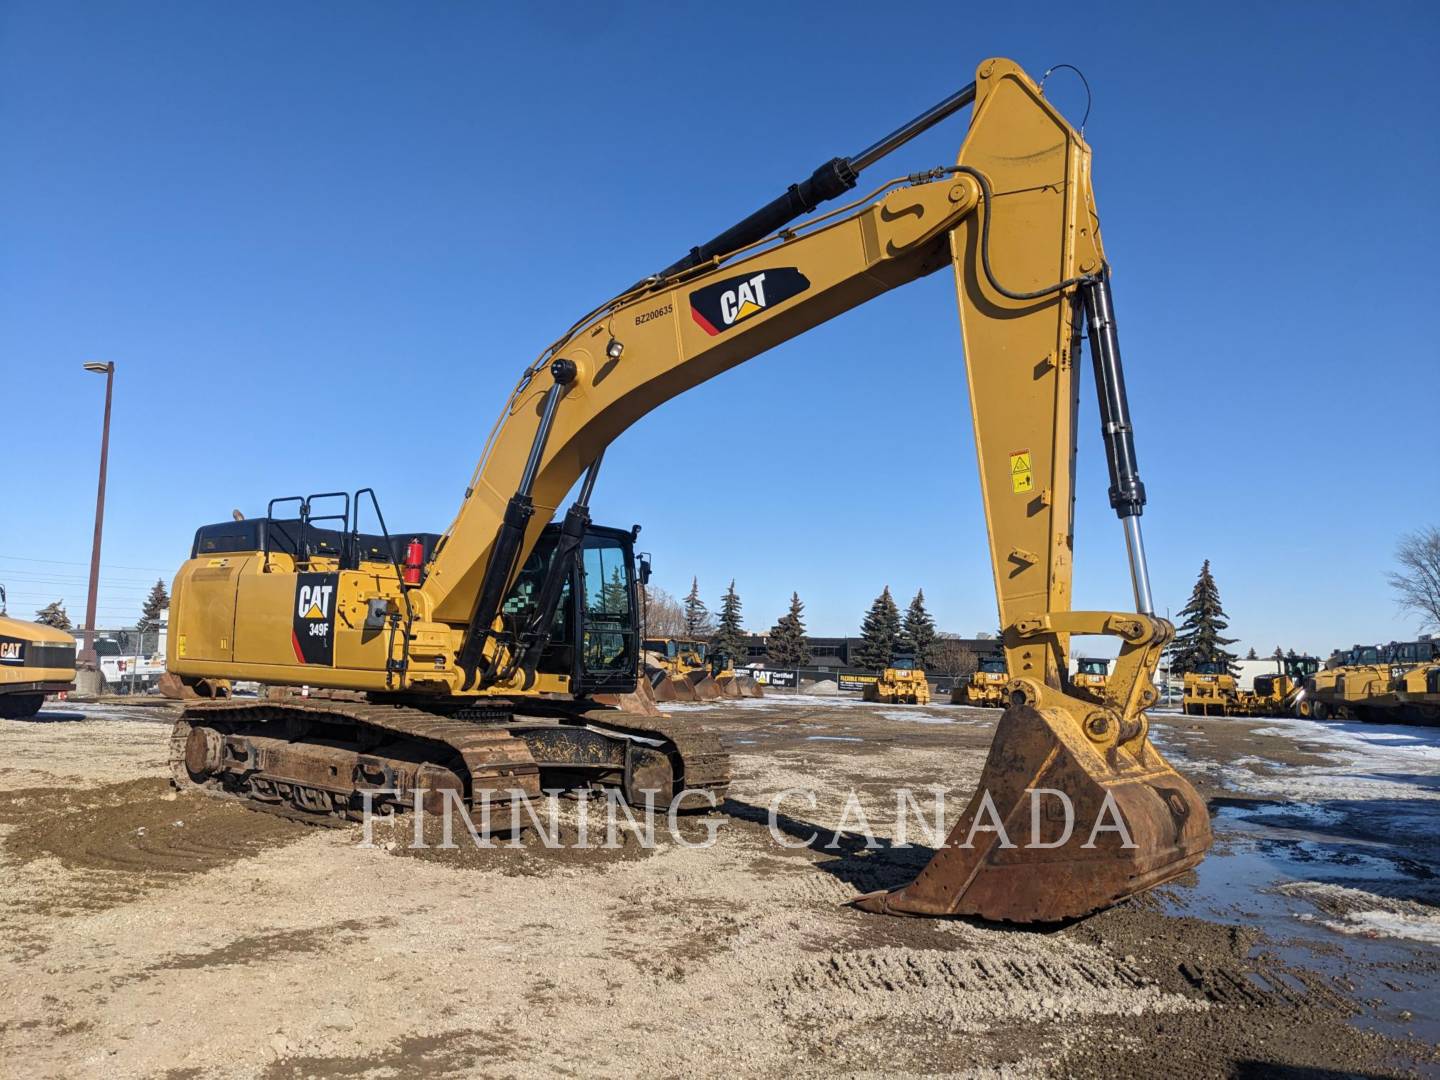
320 240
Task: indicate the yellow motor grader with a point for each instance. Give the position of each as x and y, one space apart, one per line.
1341 689
472 658
1283 693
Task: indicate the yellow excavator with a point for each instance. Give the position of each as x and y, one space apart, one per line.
35 660
468 659
986 685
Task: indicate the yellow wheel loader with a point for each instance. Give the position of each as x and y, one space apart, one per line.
1210 690
679 670
477 652
731 683
900 684
986 686
35 660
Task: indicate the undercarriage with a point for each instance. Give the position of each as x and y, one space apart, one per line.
324 759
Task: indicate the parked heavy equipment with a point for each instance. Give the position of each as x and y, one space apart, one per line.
902 683
1091 674
732 683
35 660
478 650
1378 690
679 670
1417 687
1340 688
1283 693
1210 690
985 686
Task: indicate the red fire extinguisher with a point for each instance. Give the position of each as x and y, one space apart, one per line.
414 560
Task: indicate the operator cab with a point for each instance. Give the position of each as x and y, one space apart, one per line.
593 635
993 665
1212 667
1090 666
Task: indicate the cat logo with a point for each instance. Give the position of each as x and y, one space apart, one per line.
12 652
313 628
314 601
722 305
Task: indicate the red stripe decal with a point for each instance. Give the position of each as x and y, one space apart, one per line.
704 323
295 640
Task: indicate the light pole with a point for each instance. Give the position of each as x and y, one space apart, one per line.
87 653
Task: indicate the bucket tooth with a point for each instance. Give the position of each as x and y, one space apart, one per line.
1135 823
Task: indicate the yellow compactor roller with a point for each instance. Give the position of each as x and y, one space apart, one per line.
478 650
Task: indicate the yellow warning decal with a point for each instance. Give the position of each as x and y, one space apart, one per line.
180 644
1021 479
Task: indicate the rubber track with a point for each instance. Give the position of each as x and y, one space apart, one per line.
494 758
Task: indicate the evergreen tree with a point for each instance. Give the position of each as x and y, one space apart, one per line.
54 615
1202 620
614 597
697 615
787 646
917 635
155 603
1252 654
730 633
878 633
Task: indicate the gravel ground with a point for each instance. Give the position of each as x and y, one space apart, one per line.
148 934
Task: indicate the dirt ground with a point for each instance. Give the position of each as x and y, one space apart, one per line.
148 934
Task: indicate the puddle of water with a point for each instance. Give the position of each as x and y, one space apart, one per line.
1238 886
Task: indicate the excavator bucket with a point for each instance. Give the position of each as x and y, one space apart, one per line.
662 687
703 684
1058 828
729 686
639 703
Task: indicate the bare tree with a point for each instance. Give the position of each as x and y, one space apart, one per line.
1417 582
663 615
949 657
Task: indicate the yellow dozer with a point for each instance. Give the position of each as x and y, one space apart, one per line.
986 687
1091 674
901 684
35 660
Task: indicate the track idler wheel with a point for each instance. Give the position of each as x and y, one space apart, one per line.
1017 856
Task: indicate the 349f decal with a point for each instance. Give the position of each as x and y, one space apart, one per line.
718 307
313 630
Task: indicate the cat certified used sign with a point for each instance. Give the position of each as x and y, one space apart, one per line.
313 630
718 307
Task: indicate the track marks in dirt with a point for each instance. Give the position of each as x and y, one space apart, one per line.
140 827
